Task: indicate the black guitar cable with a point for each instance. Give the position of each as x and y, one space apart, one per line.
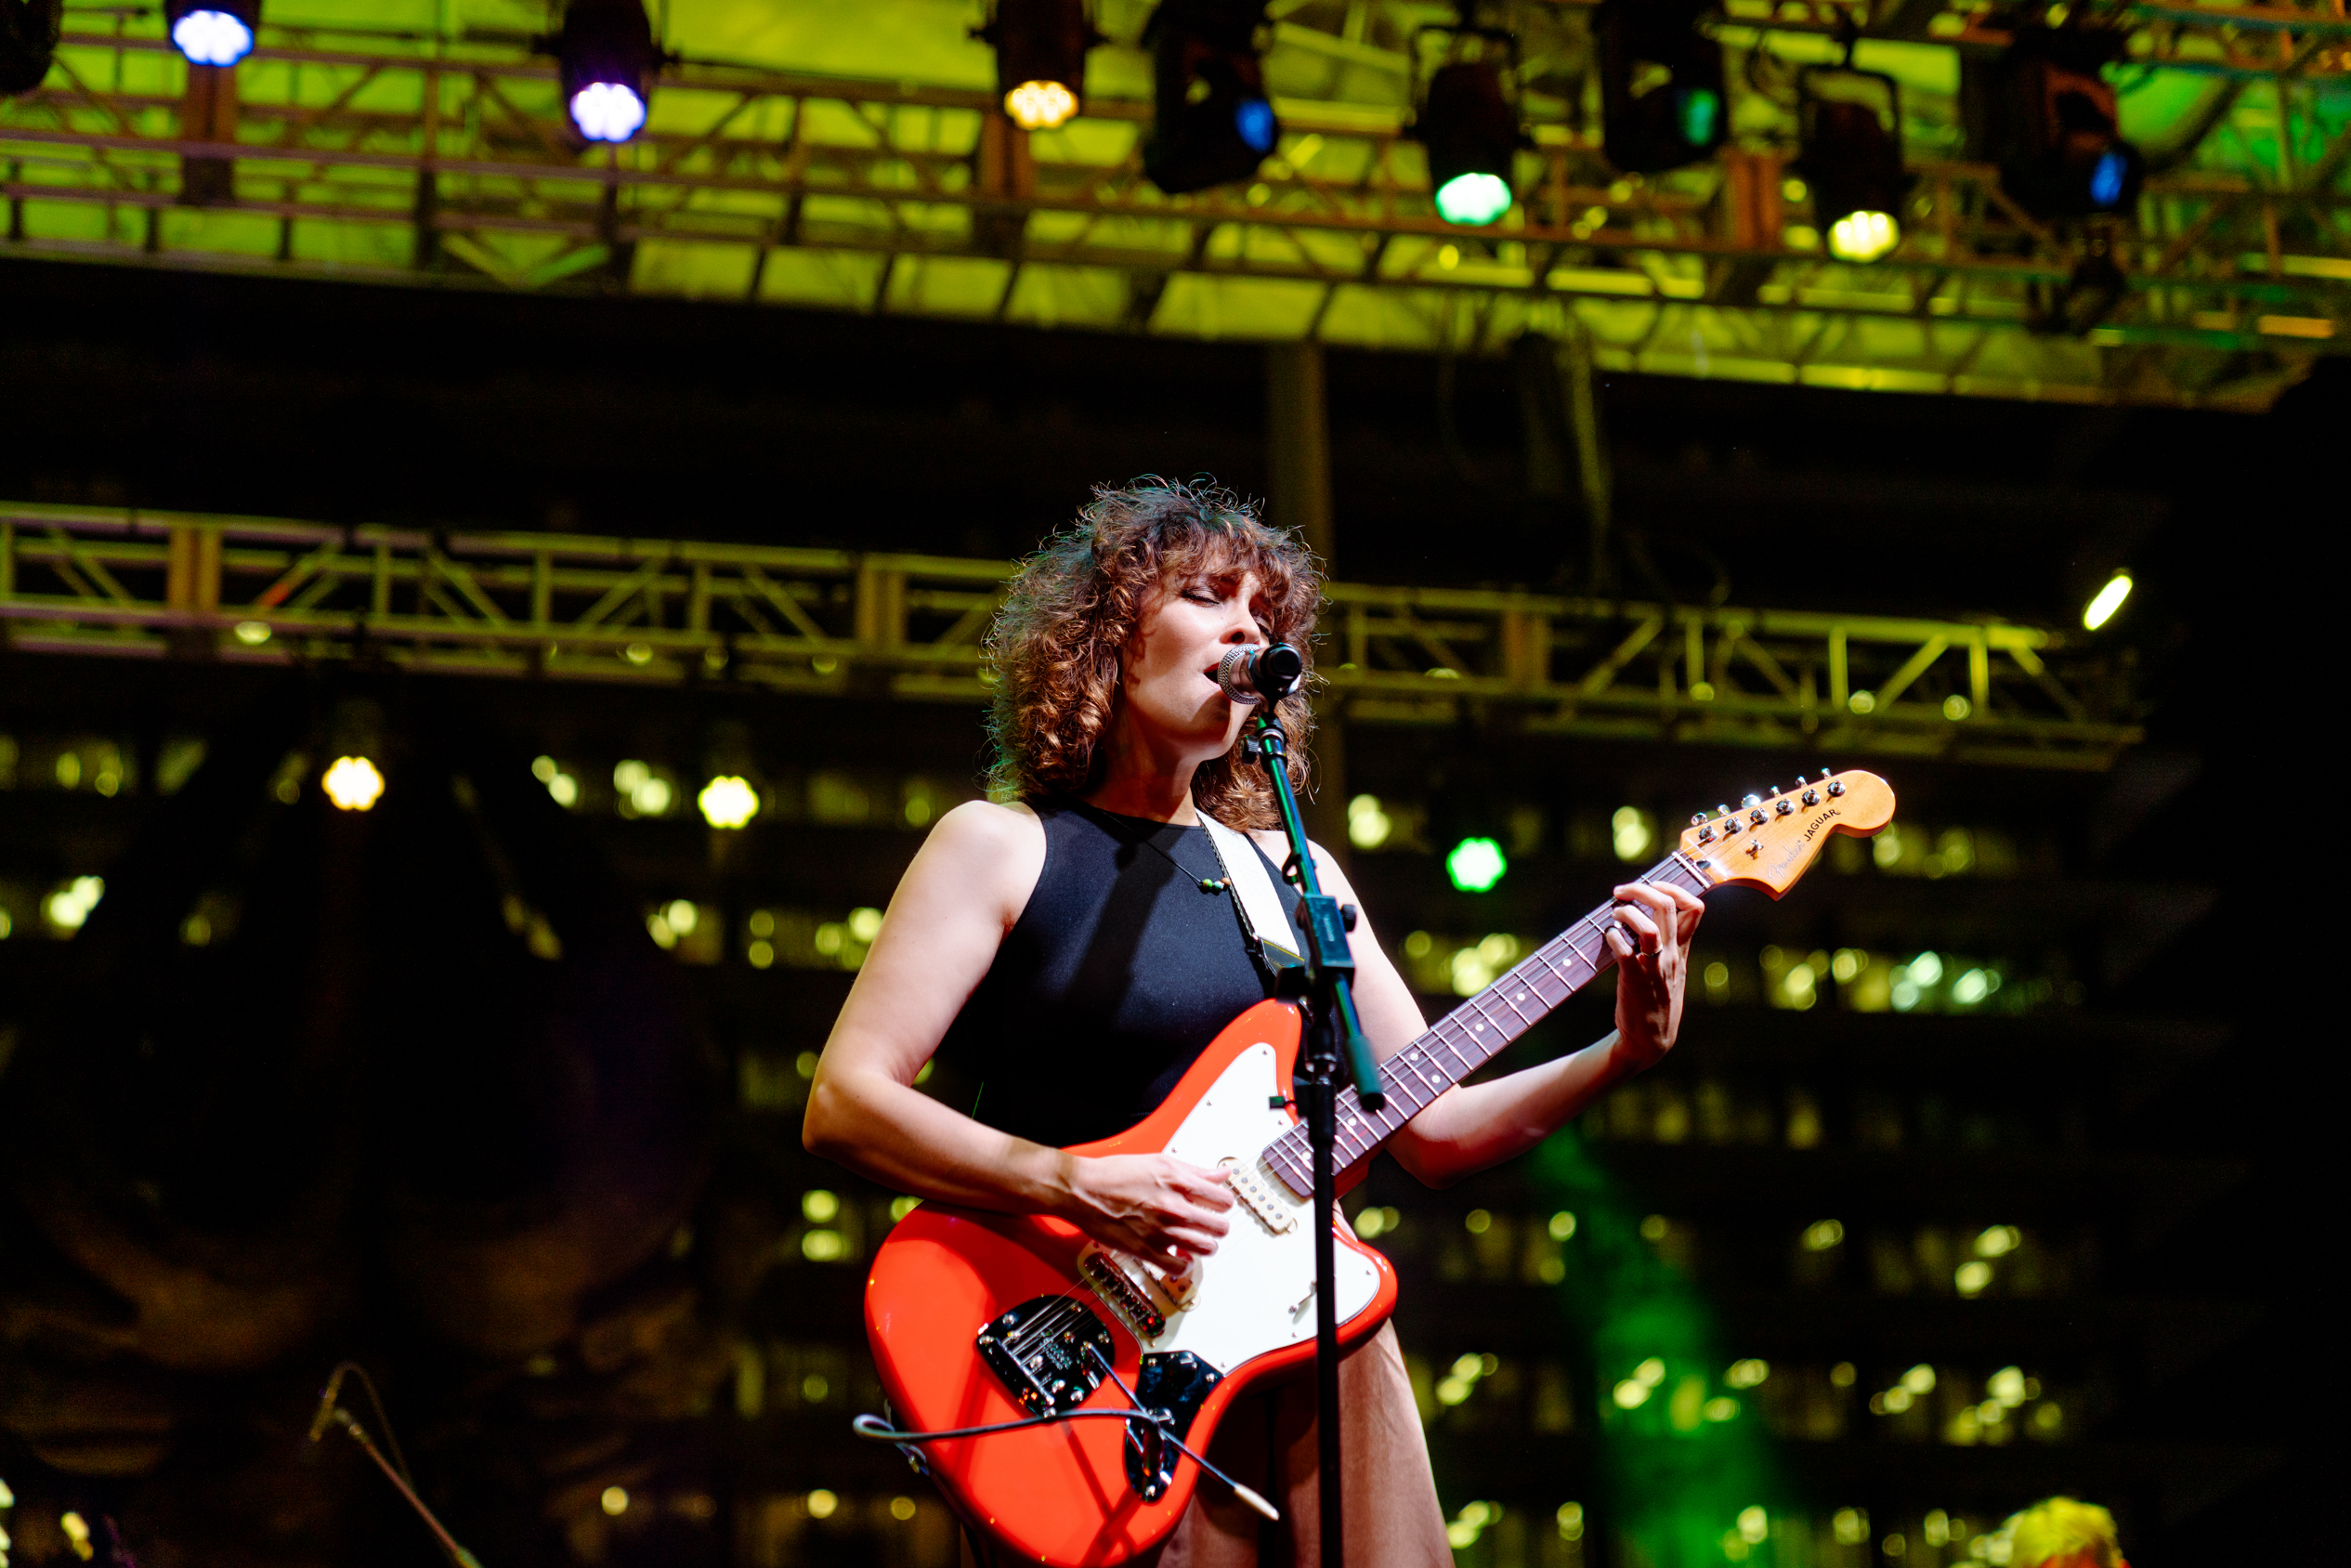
874 1429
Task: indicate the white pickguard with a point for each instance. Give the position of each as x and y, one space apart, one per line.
1256 1293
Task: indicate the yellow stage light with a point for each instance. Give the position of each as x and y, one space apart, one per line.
353 784
728 802
2109 599
1864 236
1040 106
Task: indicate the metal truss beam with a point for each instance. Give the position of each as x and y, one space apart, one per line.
822 623
405 159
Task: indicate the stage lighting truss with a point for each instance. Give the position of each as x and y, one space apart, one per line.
824 623
1468 124
1040 58
213 31
1664 103
605 58
1211 120
405 161
1850 126
29 31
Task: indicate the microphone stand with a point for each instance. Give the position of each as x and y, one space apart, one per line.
1333 1047
331 1413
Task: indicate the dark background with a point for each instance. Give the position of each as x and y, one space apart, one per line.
448 408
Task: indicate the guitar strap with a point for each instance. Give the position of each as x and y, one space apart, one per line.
1255 896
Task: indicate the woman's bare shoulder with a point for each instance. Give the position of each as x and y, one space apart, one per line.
988 825
981 848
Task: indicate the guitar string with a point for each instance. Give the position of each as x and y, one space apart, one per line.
1675 870
1067 1308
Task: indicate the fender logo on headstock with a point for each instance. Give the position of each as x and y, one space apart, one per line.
1779 844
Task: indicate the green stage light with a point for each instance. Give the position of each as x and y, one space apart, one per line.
1470 128
1475 865
1475 199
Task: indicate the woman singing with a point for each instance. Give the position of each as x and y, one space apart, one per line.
1078 950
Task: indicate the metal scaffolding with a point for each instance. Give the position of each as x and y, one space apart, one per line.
824 622
411 158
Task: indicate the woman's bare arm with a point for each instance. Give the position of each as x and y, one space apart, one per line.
1471 1127
950 913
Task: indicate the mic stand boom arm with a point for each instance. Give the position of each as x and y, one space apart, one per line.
1335 1046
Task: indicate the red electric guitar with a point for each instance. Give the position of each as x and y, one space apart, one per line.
979 1318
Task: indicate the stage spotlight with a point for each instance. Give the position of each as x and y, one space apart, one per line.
1472 135
603 56
353 784
1040 58
213 31
1850 123
1211 122
2107 600
1662 99
2045 114
28 31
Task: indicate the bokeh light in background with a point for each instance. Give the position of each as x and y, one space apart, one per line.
728 802
1476 865
353 784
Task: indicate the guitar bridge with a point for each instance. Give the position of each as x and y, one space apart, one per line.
1037 1352
1125 1295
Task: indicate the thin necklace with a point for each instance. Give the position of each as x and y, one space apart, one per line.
1207 884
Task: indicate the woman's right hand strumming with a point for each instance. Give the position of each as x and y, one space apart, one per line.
1153 1205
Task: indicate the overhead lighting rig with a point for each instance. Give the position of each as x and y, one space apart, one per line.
213 31
1211 122
28 31
2045 112
1040 58
1468 125
1662 103
1850 126
605 57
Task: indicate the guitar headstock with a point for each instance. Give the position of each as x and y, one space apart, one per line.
1768 840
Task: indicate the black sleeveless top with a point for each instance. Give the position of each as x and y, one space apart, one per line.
1117 975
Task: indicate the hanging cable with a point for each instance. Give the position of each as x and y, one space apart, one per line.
875 1430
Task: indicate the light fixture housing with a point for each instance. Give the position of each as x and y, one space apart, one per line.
1473 133
605 56
29 34
1662 103
1850 126
1040 58
1211 122
2045 112
215 33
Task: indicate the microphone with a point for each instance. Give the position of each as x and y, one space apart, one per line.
1261 674
333 1391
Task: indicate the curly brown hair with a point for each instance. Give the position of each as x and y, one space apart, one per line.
1058 640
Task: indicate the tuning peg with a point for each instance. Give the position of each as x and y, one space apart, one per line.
1751 801
1697 818
1722 811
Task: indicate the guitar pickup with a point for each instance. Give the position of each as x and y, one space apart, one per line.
1257 1198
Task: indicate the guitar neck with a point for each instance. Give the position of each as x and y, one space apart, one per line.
1471 1034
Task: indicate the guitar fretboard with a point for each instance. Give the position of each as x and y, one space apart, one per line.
1470 1036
